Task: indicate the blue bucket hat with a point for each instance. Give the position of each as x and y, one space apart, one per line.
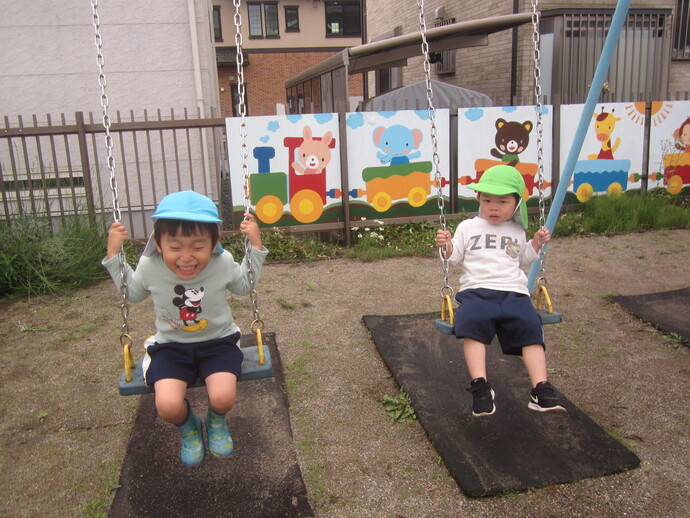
501 180
188 206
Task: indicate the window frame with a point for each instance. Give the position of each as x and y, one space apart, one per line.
344 4
255 5
217 25
287 8
274 6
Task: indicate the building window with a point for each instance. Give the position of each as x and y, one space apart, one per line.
681 31
235 94
291 18
217 29
445 60
271 17
256 29
343 18
639 67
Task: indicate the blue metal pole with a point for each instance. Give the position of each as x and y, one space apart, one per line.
600 74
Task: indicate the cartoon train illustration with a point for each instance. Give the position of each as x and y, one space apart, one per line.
303 187
528 170
384 184
676 171
600 175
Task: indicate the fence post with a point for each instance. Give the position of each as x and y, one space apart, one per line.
85 167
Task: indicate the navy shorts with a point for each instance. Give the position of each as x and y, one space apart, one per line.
485 313
190 361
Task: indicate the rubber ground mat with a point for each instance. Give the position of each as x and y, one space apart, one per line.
260 479
512 450
667 310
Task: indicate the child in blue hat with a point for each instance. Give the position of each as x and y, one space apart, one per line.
186 272
493 296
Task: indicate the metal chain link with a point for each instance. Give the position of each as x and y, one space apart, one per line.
242 109
117 214
446 290
540 133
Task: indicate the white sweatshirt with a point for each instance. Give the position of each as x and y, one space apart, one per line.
492 256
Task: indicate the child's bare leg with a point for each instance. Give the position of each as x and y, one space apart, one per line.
173 408
221 388
170 402
475 358
482 394
543 397
534 358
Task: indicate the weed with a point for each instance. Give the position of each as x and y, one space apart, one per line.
284 303
399 408
676 340
24 327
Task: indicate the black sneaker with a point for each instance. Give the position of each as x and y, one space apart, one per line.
482 397
543 398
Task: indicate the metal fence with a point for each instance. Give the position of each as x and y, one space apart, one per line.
58 168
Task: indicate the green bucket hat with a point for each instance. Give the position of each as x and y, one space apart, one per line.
500 180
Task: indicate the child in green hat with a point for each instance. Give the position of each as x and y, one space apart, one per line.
187 273
493 296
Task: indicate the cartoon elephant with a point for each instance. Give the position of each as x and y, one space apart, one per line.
397 143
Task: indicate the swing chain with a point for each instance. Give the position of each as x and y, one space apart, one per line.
540 131
242 109
117 214
446 290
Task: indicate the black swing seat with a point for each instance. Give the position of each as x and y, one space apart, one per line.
251 370
546 318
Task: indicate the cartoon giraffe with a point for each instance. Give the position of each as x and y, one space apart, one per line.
604 125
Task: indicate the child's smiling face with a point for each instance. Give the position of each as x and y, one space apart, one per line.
497 209
186 256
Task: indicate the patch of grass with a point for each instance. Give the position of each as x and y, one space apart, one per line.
98 507
284 303
399 408
284 246
628 212
675 340
37 258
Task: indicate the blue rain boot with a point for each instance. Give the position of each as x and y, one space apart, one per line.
219 440
192 448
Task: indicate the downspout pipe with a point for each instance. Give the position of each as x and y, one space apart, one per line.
600 73
199 91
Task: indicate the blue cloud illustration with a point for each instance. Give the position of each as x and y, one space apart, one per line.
387 114
322 118
273 126
294 118
355 120
264 139
509 109
474 114
422 114
544 109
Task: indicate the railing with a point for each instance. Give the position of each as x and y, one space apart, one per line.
57 170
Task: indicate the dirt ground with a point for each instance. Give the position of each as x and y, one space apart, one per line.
64 428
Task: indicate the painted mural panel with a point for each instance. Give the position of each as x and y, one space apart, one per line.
610 160
503 135
390 162
293 165
669 147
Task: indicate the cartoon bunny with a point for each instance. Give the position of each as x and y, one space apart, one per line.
313 156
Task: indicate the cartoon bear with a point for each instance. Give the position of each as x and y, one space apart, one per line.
512 139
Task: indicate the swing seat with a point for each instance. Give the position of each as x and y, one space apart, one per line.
546 318
251 370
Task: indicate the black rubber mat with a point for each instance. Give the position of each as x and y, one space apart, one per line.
514 449
260 479
667 310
